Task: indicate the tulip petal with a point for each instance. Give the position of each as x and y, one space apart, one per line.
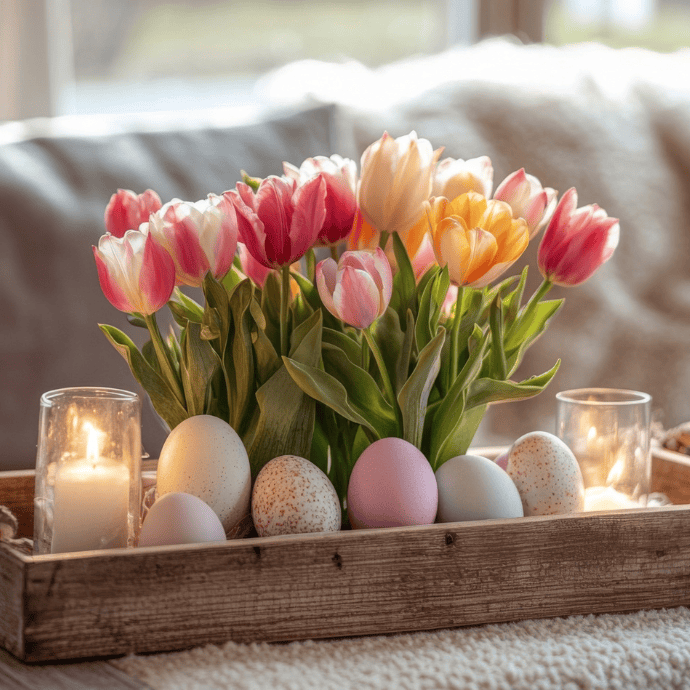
326 280
482 250
356 297
309 215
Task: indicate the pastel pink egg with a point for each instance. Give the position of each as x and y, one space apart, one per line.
392 485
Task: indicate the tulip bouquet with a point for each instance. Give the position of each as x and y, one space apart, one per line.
404 332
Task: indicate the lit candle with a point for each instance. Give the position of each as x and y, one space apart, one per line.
91 501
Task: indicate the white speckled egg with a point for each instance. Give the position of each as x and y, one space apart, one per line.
292 496
546 474
205 457
471 487
180 518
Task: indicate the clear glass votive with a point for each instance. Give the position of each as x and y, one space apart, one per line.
608 431
88 470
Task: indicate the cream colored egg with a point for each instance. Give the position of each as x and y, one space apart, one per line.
205 457
471 487
546 474
293 496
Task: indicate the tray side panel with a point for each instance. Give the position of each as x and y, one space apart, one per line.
11 601
356 583
671 475
17 494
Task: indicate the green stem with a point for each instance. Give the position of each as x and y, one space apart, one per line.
311 264
164 360
387 386
383 239
284 300
334 253
455 336
365 356
521 324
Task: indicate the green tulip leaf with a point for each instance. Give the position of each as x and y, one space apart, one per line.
513 301
137 320
404 284
363 393
326 389
390 339
449 414
349 346
284 421
199 364
484 390
160 393
414 395
459 441
497 358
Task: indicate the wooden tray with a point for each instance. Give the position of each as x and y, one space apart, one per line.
107 603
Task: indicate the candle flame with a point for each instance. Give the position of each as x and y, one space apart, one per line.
92 445
592 433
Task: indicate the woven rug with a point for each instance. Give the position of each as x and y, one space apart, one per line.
649 649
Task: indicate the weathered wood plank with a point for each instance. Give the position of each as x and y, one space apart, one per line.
90 675
671 475
17 493
11 600
353 583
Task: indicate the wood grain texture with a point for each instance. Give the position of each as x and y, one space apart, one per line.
90 675
17 493
107 603
671 475
12 600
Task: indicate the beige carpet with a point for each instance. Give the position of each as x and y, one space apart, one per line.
649 649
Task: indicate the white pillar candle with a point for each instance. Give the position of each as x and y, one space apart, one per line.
607 498
91 501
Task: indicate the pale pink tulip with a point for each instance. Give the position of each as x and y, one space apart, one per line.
200 237
340 175
455 177
358 288
528 199
281 221
577 241
136 274
127 210
395 181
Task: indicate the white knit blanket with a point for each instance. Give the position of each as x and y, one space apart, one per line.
649 649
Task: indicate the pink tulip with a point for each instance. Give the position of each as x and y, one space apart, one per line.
136 274
127 210
199 236
340 175
281 221
251 267
358 288
577 241
528 199
455 177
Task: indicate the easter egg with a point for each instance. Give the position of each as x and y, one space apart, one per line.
292 496
391 485
204 456
471 487
546 474
179 518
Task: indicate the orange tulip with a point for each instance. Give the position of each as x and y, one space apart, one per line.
478 239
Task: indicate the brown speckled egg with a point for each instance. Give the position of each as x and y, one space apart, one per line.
292 496
546 474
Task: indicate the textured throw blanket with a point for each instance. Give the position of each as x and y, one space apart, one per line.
649 649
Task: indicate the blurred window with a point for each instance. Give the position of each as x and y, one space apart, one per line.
161 55
660 25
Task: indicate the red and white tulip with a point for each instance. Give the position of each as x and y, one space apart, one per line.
127 210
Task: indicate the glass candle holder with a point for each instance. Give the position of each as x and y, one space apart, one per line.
608 431
88 470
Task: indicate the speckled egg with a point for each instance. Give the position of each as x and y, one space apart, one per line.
204 456
391 485
546 474
292 496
